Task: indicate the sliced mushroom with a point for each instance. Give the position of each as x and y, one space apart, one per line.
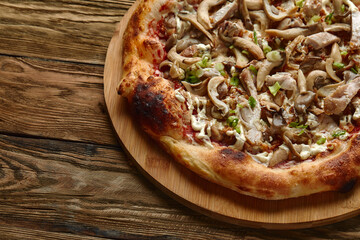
241 60
337 27
203 12
230 29
212 89
184 43
281 154
226 12
330 70
197 88
337 101
260 17
192 19
254 4
290 49
321 40
314 76
301 82
311 8
337 7
184 62
290 34
250 46
355 33
291 9
335 53
329 89
290 145
290 23
303 101
286 81
246 77
245 14
264 70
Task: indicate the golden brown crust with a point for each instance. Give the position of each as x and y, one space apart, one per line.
154 105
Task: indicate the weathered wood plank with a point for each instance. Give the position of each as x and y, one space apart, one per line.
71 30
87 189
53 99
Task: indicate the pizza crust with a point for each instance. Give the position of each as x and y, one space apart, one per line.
154 105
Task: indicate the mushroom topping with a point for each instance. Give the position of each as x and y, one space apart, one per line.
337 27
290 49
226 12
254 4
311 8
355 33
184 62
290 145
321 40
241 60
203 12
301 82
184 43
197 88
290 34
281 154
276 15
303 101
264 70
328 89
290 23
337 101
260 17
335 53
193 21
245 14
250 46
230 29
286 81
330 70
175 71
212 89
313 77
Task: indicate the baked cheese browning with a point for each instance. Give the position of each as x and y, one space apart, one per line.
278 80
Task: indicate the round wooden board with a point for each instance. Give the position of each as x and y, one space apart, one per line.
201 195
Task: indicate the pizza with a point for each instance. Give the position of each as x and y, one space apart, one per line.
259 96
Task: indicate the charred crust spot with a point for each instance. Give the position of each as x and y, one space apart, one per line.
347 186
149 107
230 154
135 20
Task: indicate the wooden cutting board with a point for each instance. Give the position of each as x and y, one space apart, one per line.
201 195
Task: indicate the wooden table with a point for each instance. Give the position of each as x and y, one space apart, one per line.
63 174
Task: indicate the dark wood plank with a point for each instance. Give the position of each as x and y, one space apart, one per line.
91 190
71 30
53 99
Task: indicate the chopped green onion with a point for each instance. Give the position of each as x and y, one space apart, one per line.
267 49
315 18
301 132
328 18
273 56
252 102
234 81
300 3
344 53
245 52
219 66
192 79
237 129
338 133
240 106
343 8
232 111
321 141
255 37
231 47
232 121
222 72
293 124
199 72
338 65
274 88
205 62
354 70
253 69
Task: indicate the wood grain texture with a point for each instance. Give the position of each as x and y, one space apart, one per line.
53 99
71 30
205 197
64 188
